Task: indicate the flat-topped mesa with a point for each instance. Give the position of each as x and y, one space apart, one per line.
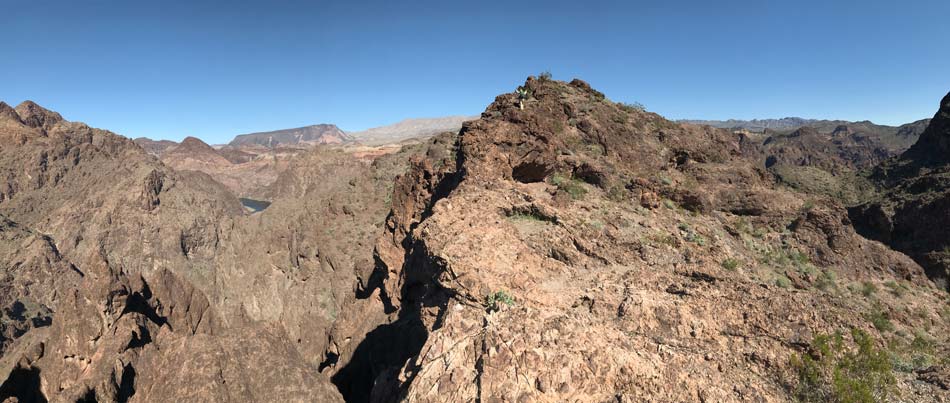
37 116
934 143
308 135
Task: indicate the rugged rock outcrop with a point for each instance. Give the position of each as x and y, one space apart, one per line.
912 213
108 260
579 250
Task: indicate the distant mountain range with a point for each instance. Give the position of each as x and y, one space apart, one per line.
326 134
789 124
410 128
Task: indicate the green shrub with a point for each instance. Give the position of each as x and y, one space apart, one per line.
834 372
691 236
494 301
879 319
896 288
918 354
783 281
826 280
634 107
572 187
868 288
730 264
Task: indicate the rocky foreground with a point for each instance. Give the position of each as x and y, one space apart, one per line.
574 249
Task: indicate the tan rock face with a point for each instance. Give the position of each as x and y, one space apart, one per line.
580 250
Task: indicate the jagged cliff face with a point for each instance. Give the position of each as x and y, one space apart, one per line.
578 250
912 213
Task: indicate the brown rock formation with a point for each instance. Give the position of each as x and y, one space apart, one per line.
527 270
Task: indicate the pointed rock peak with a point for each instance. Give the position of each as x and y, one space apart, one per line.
934 143
34 115
193 144
8 113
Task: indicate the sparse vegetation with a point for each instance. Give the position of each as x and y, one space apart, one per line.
616 193
572 187
692 236
783 281
897 289
545 76
918 354
523 95
826 280
868 289
834 372
878 317
730 264
634 107
494 302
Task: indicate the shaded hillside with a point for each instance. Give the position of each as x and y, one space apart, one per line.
308 135
826 160
154 147
912 214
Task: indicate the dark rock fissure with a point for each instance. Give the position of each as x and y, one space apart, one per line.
24 385
126 384
372 372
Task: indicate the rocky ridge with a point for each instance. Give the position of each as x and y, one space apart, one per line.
580 250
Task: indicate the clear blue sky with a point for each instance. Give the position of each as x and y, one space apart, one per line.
172 68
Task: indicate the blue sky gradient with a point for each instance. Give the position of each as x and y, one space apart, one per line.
173 68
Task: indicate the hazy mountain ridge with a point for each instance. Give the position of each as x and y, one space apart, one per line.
410 128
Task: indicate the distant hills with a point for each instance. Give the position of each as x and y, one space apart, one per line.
410 128
315 134
789 124
303 137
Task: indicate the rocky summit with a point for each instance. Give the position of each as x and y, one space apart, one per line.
560 247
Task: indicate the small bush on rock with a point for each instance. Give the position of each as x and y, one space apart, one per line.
834 372
494 301
730 264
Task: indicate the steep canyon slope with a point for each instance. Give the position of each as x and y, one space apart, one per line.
912 213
